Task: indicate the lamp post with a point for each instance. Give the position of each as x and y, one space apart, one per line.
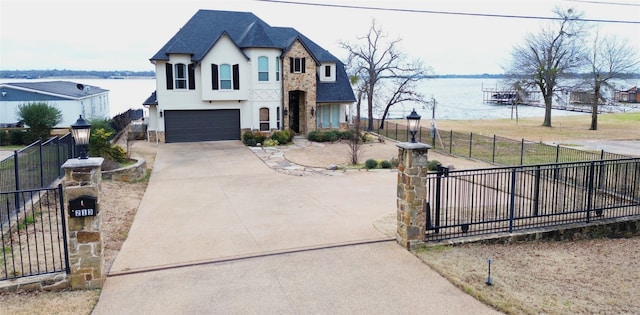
413 123
80 131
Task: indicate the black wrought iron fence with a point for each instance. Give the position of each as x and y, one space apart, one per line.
36 166
484 201
32 241
495 149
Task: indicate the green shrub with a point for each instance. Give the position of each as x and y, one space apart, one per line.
270 143
281 136
116 153
247 138
4 137
370 164
347 135
16 137
316 136
386 164
259 136
433 165
251 142
332 135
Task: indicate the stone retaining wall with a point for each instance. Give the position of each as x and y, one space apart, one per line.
129 173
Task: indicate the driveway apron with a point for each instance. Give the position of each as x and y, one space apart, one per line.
218 231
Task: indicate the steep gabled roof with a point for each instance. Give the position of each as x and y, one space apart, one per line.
245 29
64 89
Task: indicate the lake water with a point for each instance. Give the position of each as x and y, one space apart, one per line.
455 98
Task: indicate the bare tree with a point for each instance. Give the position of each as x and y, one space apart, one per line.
546 56
374 59
609 59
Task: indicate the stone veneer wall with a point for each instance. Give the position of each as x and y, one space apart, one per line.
156 136
305 82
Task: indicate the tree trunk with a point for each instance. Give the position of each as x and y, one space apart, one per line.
594 109
370 107
548 102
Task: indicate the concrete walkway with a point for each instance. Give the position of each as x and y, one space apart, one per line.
220 232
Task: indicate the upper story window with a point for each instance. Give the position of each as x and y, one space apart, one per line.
225 77
297 65
263 68
277 69
327 72
180 76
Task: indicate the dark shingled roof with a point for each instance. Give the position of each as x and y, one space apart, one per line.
246 30
64 88
151 100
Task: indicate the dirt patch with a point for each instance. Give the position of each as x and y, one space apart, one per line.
580 277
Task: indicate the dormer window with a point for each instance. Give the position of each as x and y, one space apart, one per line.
327 72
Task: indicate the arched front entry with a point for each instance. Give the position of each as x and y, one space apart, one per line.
297 109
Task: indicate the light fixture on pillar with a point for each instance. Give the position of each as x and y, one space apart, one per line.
81 131
413 123
313 111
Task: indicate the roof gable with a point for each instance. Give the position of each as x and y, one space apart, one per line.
246 30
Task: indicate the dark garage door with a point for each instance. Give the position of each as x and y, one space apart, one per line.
201 125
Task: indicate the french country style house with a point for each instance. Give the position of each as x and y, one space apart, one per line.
226 72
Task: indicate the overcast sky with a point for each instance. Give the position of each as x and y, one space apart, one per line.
123 35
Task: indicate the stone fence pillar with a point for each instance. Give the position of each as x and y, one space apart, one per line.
412 192
81 189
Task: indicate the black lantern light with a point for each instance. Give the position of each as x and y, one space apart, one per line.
80 131
413 123
313 111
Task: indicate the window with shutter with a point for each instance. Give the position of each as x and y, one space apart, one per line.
214 76
169 76
192 77
180 72
236 77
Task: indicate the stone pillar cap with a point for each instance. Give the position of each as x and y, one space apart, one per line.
413 146
83 163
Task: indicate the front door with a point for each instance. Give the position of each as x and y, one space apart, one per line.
294 111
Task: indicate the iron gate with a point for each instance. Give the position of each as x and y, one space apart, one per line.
32 233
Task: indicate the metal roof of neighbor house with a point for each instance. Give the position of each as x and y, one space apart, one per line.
246 30
65 89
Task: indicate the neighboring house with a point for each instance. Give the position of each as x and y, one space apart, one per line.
72 99
226 72
629 96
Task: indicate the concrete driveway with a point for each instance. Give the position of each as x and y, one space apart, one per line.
219 232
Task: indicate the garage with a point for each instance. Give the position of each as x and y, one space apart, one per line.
201 125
